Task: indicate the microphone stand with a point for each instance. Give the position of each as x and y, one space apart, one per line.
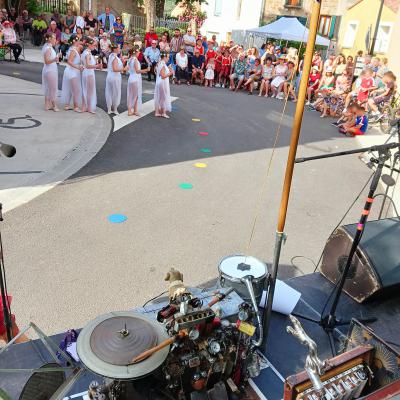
330 321
4 297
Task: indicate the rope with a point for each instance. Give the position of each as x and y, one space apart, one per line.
257 210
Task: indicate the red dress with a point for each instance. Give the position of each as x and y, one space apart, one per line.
218 64
200 49
226 66
210 54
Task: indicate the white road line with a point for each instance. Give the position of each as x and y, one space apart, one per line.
123 119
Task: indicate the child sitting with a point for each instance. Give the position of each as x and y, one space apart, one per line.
360 124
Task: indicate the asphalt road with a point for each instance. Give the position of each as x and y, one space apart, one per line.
66 263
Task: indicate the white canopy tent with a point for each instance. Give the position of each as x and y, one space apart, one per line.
287 28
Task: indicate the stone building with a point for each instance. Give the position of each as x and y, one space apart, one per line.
331 12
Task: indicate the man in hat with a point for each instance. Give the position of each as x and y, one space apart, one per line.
10 39
198 66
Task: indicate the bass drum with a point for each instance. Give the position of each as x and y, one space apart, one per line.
233 269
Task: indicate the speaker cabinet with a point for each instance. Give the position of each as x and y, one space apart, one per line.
375 269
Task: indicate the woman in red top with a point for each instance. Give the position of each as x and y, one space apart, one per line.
226 68
199 47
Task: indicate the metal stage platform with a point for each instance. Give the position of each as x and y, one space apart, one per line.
285 355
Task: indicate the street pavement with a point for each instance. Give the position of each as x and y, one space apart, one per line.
66 263
50 146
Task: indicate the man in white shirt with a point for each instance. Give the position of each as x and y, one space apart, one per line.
152 57
182 63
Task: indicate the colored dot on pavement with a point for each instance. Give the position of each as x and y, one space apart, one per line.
117 218
186 186
16 73
203 133
200 165
196 119
205 150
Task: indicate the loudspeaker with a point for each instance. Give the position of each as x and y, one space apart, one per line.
375 269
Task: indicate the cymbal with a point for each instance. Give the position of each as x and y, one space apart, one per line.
108 344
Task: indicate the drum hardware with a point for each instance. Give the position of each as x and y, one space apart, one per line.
247 276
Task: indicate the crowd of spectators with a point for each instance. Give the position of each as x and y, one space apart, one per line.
338 86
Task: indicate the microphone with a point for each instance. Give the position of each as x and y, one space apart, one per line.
7 150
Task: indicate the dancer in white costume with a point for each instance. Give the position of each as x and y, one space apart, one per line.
89 79
134 90
113 81
162 98
71 85
50 72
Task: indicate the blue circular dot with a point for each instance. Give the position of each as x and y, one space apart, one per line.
117 218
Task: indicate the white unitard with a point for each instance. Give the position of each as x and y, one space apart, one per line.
71 85
134 91
88 82
162 98
49 73
113 84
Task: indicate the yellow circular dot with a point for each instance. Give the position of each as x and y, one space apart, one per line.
196 119
200 165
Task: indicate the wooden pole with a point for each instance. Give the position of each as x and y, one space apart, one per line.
298 117
378 20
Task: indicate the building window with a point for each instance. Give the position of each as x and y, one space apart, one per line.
325 25
350 35
383 37
218 8
293 3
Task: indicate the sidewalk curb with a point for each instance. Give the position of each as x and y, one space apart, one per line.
89 145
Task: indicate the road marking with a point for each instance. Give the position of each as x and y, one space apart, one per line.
124 119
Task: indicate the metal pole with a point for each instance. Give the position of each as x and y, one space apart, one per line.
298 117
378 20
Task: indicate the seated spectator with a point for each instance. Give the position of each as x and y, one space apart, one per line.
325 87
57 18
347 118
13 15
90 21
3 17
313 83
267 74
350 66
10 40
104 47
182 66
254 76
339 65
79 33
280 73
288 86
352 96
198 62
334 100
64 42
69 20
119 32
106 20
164 44
152 57
92 36
137 41
238 70
389 80
360 125
53 30
39 28
166 34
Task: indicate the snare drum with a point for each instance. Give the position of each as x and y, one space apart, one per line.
233 268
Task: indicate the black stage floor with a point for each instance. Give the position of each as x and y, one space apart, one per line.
284 353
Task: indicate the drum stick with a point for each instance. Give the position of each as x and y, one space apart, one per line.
160 346
219 297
